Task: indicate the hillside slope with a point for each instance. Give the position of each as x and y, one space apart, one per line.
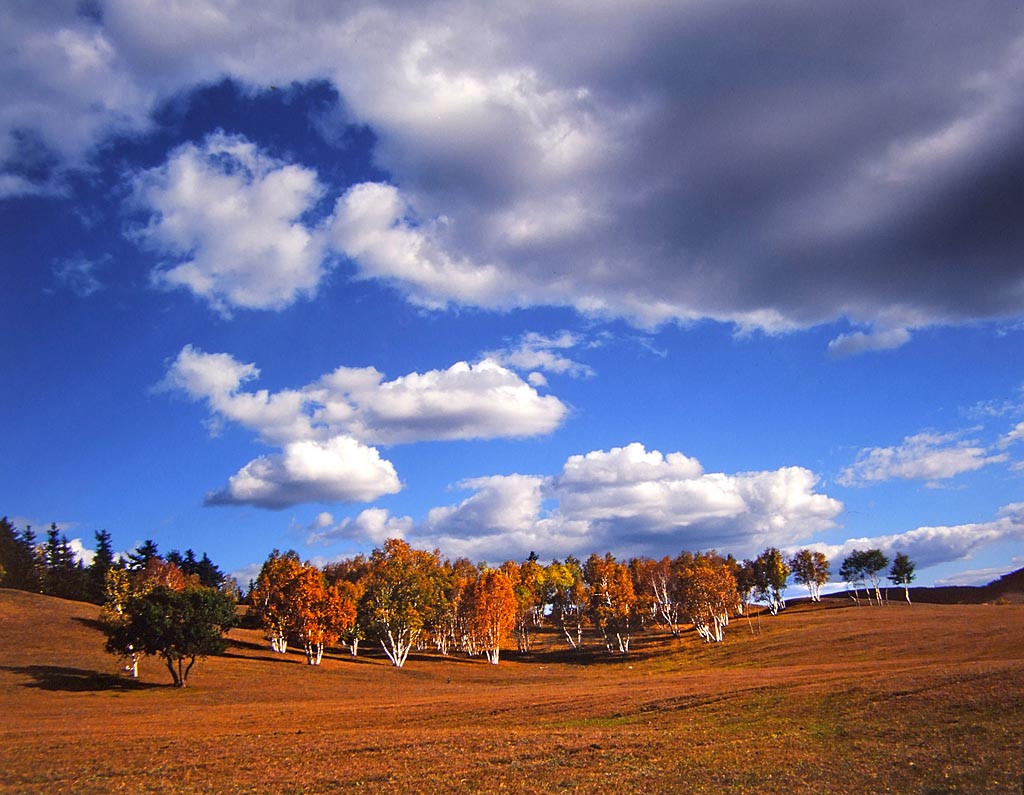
915 699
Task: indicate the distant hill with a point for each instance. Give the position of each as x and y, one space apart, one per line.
1008 588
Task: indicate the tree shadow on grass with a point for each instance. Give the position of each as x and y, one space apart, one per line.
74 680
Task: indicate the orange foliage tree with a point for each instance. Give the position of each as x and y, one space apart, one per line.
494 611
321 613
706 592
403 589
612 599
273 597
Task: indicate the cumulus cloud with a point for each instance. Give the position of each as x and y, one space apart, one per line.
336 470
863 162
631 501
929 546
228 217
924 456
466 401
325 428
374 525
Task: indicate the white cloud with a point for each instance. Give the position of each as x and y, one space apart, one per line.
82 554
924 456
227 215
374 525
929 546
560 155
1014 436
324 428
861 342
336 470
539 352
631 501
981 576
372 225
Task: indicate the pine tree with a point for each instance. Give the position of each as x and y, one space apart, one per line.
102 562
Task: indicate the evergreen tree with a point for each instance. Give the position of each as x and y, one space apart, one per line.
64 575
144 553
102 562
18 557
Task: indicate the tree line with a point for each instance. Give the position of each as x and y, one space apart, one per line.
404 598
178 606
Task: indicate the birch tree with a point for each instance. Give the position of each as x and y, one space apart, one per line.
863 568
402 590
612 600
902 573
810 569
273 597
655 585
321 613
494 611
706 591
770 575
569 599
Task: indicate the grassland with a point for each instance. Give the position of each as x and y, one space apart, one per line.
827 699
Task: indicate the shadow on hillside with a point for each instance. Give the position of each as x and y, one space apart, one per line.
92 623
74 680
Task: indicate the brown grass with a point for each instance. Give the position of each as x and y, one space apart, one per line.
921 699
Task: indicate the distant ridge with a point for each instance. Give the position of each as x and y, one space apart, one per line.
1008 588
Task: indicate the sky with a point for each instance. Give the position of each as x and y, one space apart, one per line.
516 276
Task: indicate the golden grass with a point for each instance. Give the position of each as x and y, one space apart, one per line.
925 699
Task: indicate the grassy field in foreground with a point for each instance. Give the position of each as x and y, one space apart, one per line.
834 698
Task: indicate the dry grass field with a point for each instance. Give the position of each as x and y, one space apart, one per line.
827 699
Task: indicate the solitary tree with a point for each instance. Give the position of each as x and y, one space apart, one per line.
902 573
179 626
810 569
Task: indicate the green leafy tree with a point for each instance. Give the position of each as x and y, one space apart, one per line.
902 573
178 626
770 575
863 568
810 569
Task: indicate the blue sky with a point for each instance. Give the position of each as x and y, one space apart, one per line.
516 278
